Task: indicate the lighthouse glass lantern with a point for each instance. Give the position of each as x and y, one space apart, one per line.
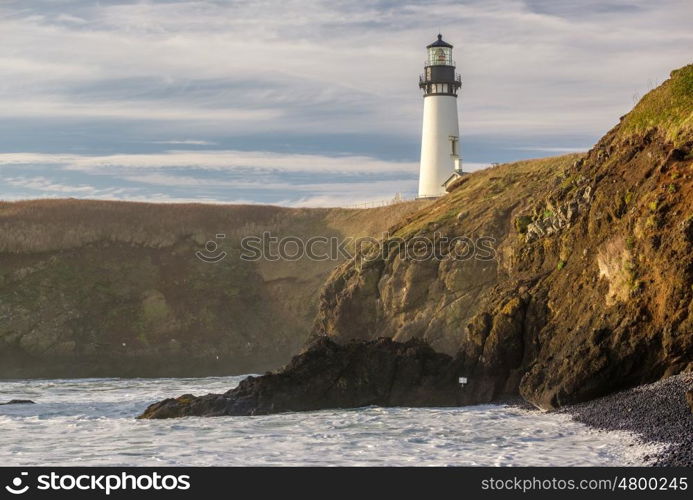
440 156
440 56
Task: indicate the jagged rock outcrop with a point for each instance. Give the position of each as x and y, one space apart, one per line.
19 402
558 215
590 288
329 375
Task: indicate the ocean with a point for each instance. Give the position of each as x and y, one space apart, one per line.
89 422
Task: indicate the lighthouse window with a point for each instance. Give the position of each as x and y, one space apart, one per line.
439 56
454 142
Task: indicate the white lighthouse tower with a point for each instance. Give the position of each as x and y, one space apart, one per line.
440 157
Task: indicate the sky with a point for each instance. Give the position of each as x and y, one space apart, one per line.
306 102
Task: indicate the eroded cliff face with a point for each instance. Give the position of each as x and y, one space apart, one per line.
591 285
91 288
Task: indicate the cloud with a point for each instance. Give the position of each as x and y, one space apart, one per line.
187 142
214 160
46 185
49 186
320 92
534 66
218 175
147 110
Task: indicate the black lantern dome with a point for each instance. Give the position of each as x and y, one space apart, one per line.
439 76
439 43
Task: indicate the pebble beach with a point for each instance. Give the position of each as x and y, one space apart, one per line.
657 412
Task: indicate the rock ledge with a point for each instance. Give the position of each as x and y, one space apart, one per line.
328 375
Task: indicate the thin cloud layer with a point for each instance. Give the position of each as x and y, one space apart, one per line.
112 86
216 176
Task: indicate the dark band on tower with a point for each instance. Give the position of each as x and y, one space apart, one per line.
439 76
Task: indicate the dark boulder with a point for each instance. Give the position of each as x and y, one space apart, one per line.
329 375
19 402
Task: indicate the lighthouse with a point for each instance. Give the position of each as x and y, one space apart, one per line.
440 147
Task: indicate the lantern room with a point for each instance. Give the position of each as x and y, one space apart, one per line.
440 53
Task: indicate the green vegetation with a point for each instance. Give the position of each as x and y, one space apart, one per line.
636 286
633 282
668 108
522 222
569 181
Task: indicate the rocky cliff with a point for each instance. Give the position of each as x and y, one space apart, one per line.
589 286
90 288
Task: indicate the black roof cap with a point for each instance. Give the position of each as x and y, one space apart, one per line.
439 43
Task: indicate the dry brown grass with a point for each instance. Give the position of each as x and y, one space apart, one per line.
503 187
48 225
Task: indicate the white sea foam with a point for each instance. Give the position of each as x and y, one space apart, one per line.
91 422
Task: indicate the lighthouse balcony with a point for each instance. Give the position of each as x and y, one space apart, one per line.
423 80
446 87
